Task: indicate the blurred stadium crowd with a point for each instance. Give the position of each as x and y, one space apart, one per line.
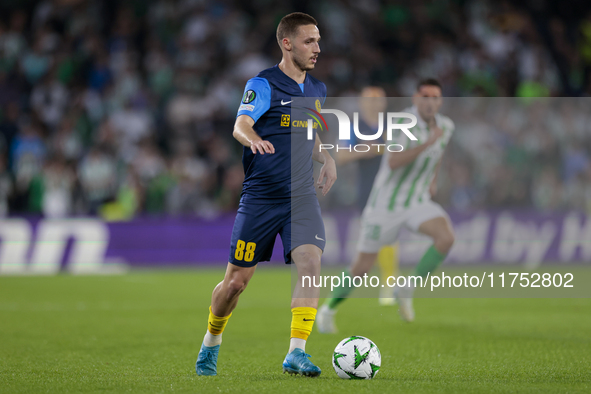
120 108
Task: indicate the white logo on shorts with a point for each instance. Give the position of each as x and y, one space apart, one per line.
318 238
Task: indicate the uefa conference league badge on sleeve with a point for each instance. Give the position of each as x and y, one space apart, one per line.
248 98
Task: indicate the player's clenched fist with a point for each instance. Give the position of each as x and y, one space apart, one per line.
262 147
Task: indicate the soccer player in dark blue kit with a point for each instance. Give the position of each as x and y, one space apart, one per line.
278 194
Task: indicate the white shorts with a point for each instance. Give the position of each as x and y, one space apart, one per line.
379 228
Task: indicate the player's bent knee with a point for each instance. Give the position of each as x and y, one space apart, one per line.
444 242
307 264
235 287
311 265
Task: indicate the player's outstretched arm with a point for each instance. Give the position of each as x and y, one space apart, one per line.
328 172
400 159
246 135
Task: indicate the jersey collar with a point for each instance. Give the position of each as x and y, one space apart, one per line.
291 82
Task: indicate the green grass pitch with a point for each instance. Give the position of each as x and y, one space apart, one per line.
141 332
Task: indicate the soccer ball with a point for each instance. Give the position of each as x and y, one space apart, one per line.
356 358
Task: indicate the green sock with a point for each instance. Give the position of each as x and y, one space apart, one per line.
340 294
429 262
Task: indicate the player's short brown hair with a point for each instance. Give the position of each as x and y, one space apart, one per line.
428 82
289 24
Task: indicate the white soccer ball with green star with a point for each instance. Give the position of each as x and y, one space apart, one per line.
356 358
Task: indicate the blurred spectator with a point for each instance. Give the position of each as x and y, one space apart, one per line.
57 186
9 127
130 126
36 63
229 194
188 195
6 186
13 41
66 141
100 74
148 163
158 190
463 192
28 151
546 190
576 160
10 91
50 99
98 178
127 201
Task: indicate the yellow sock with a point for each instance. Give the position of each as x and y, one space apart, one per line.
302 321
216 324
395 259
388 261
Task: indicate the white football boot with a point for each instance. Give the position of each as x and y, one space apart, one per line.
387 296
325 320
403 296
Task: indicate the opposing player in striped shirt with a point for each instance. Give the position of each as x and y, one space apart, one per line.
401 196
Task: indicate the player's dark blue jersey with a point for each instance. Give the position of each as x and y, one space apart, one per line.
274 178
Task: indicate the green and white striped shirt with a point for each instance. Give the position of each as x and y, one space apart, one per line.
408 186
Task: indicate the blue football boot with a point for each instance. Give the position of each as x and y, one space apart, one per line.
207 360
297 363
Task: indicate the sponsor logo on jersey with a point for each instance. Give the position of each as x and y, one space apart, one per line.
246 107
302 124
285 120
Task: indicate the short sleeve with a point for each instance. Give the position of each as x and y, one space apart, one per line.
256 99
